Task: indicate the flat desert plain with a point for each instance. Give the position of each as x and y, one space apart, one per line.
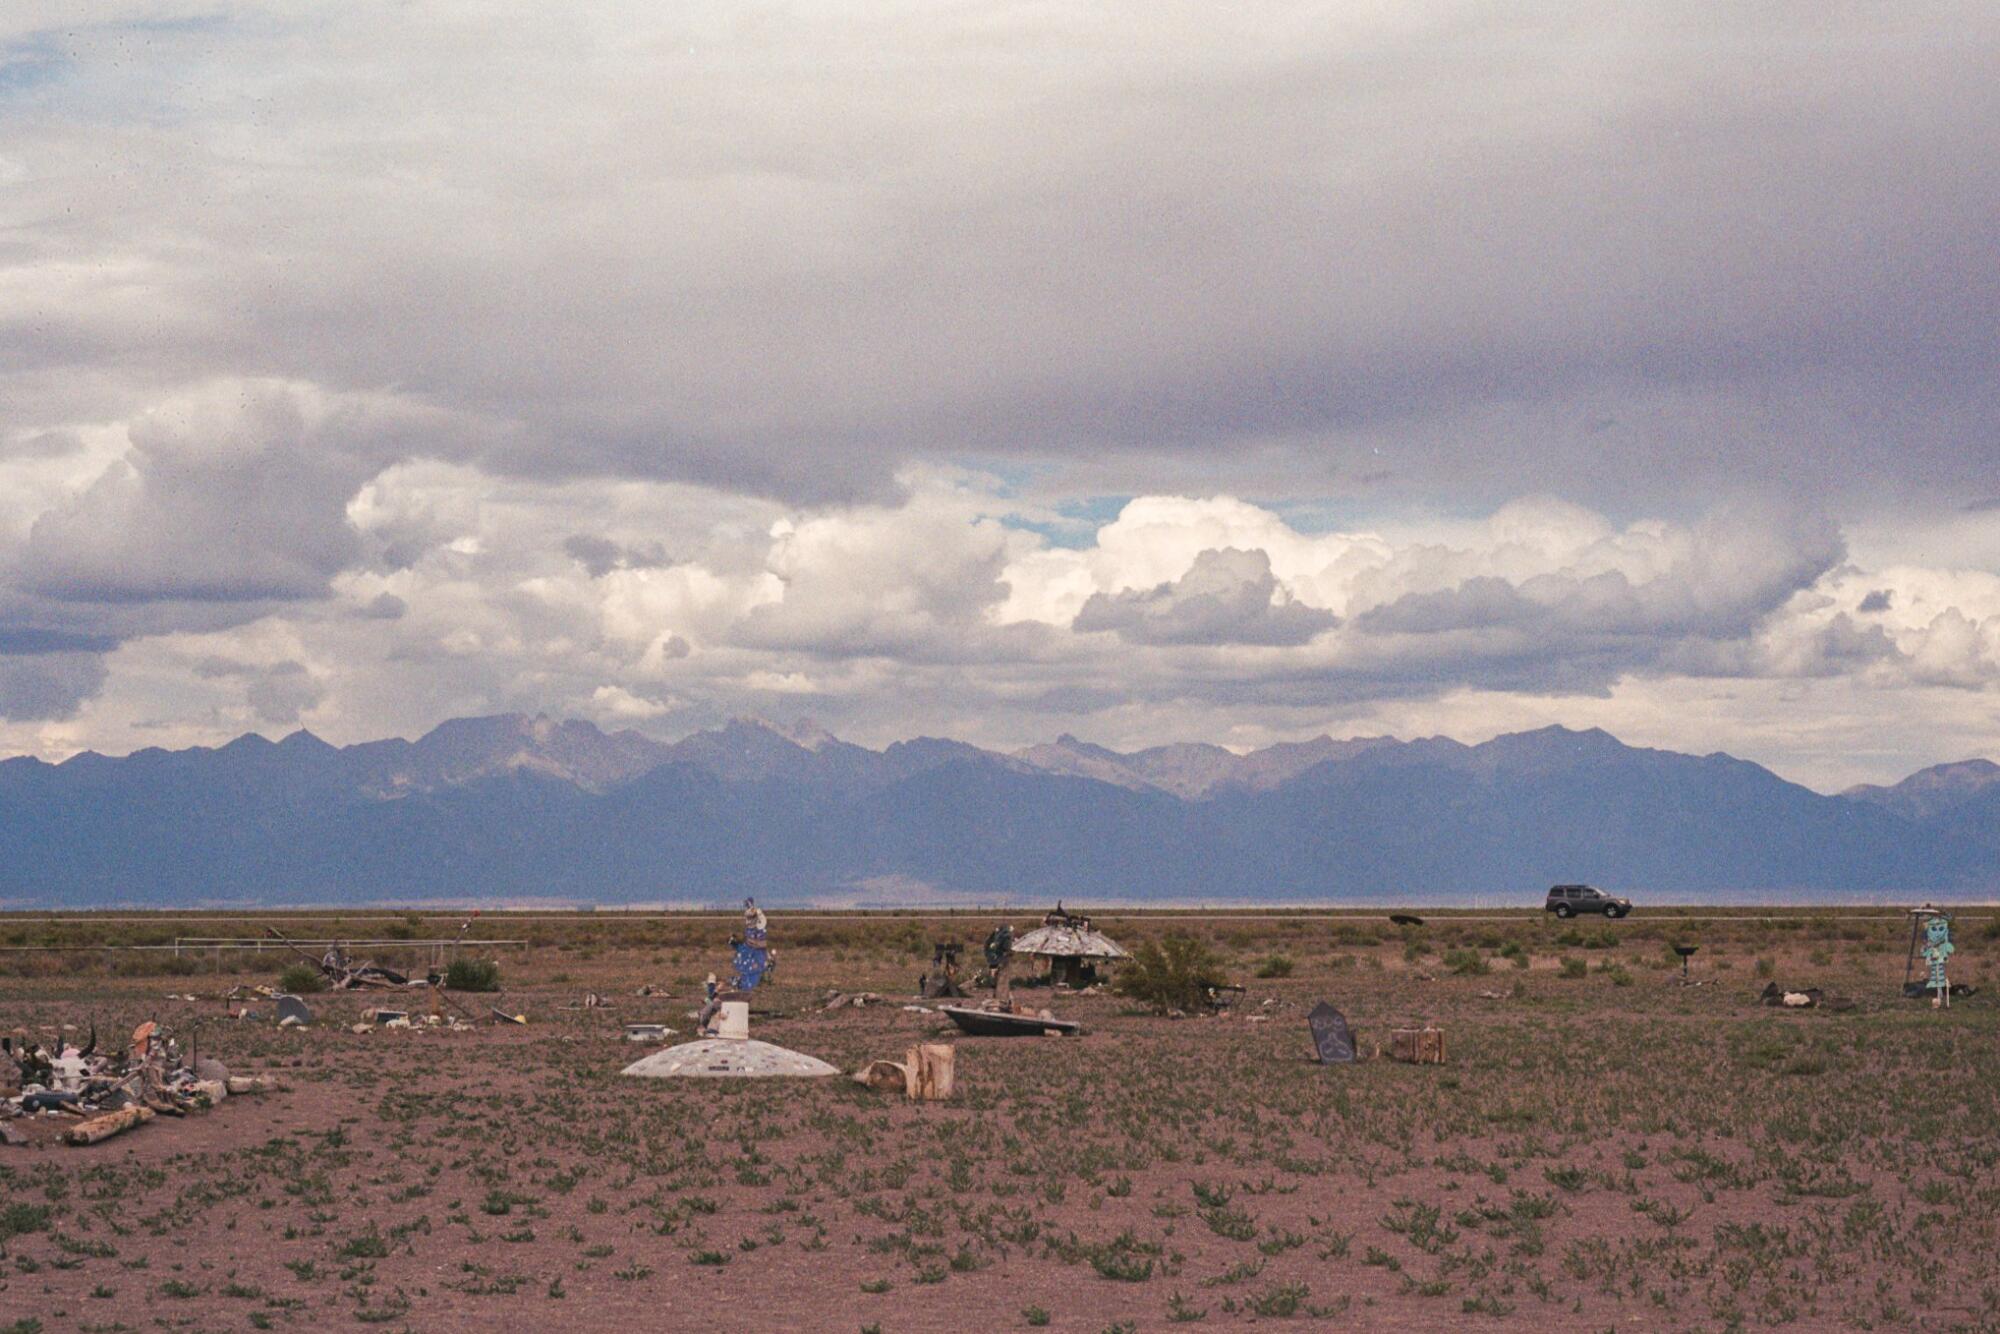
1603 1148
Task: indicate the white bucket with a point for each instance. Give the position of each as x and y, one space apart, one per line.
734 1021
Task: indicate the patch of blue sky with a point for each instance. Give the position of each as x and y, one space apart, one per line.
1008 478
212 21
1070 523
130 71
31 64
1313 517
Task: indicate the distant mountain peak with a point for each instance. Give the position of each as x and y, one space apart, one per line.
807 734
1929 793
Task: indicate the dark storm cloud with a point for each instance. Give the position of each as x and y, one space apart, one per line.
1614 252
28 640
48 686
599 556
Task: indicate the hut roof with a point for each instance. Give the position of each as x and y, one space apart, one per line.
1071 941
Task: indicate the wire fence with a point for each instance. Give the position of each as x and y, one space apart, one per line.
252 944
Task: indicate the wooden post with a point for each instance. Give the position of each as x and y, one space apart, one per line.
1420 1046
929 1073
254 1084
104 1127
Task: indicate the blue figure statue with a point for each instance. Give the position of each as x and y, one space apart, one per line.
753 952
751 963
1937 949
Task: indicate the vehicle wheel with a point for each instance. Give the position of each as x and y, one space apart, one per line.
1564 911
1614 913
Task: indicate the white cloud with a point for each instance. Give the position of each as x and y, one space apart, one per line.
906 618
1228 596
233 492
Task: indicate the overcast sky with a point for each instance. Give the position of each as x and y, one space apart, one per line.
1148 371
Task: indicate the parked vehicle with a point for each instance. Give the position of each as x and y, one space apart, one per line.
1569 900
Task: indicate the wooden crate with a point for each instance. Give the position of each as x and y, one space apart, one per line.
1419 1046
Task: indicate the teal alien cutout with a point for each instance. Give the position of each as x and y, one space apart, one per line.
1937 949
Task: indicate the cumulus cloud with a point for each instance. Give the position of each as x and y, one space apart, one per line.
1716 580
1171 616
1228 596
236 492
916 580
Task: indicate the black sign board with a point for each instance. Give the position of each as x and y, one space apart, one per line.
1332 1039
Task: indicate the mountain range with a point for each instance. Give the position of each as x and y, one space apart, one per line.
516 809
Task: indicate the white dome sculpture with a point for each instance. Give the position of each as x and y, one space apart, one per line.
728 1058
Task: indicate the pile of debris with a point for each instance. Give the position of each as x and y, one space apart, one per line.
1810 998
344 974
291 1011
381 1018
105 1093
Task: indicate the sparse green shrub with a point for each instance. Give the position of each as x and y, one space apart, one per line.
1277 965
1574 967
1468 963
1172 974
472 975
1280 1301
18 1220
154 963
368 1245
301 979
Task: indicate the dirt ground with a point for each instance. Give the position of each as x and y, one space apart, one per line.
1603 1149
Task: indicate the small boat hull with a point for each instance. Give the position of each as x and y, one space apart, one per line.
996 1024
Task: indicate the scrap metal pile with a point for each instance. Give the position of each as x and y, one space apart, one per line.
344 974
102 1093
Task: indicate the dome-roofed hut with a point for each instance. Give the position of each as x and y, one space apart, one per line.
1076 950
